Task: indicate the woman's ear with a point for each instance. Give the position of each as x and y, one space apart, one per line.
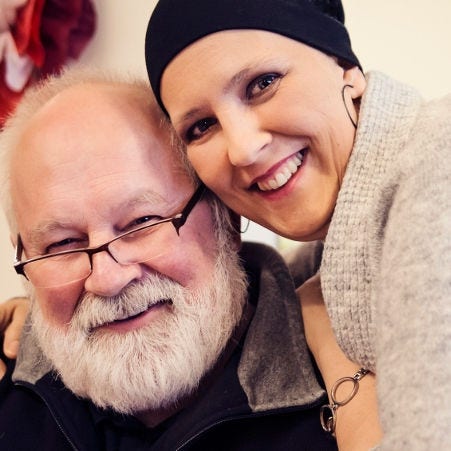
356 81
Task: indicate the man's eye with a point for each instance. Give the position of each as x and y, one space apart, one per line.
259 84
143 220
198 129
65 245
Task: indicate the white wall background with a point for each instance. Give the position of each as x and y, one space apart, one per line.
408 39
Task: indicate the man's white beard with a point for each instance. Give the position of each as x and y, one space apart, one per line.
155 366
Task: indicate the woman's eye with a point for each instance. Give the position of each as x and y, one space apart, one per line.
198 129
261 83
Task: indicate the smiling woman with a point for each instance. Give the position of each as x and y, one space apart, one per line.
292 134
231 121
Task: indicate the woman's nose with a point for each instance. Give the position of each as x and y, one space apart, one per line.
245 138
108 277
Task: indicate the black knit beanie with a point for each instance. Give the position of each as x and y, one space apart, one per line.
175 24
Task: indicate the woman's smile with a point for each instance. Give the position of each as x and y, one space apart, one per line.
281 173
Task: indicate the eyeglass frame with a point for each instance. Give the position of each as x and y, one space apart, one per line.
177 221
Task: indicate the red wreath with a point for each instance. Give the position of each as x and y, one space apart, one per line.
43 36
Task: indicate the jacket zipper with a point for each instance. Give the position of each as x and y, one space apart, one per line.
244 416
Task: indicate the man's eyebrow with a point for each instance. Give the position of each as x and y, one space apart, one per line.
146 197
35 236
44 228
157 204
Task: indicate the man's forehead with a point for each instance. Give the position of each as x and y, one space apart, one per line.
70 124
96 100
91 100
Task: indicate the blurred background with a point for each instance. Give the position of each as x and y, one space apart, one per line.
409 40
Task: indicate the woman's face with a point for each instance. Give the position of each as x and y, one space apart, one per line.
265 126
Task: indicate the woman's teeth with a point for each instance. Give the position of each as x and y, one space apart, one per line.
283 174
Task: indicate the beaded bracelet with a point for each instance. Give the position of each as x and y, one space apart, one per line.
328 412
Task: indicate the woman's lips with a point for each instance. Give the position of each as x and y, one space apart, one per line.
282 174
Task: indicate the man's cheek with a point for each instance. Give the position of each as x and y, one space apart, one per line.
58 304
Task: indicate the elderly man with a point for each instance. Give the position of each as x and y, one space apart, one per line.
148 329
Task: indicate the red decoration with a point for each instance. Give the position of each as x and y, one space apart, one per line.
43 36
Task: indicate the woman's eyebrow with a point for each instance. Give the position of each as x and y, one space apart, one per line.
260 65
237 79
186 118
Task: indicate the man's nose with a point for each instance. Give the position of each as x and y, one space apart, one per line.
109 277
245 137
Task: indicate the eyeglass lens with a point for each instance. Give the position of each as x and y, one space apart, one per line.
141 246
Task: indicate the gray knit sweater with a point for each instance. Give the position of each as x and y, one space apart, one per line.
386 267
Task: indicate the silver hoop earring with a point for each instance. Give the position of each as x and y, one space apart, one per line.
246 227
346 107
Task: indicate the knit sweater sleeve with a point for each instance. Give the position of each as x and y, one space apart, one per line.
303 260
413 340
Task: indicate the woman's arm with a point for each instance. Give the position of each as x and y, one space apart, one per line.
357 422
12 317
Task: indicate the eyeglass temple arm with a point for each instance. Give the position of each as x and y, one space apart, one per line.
180 219
17 257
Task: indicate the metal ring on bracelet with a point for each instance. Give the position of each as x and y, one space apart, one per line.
328 412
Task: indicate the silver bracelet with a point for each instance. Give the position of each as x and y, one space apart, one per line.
328 412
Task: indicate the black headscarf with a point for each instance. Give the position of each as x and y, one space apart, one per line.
175 24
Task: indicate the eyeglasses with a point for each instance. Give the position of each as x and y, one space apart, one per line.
139 245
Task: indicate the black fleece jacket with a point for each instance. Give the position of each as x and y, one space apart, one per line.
266 397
